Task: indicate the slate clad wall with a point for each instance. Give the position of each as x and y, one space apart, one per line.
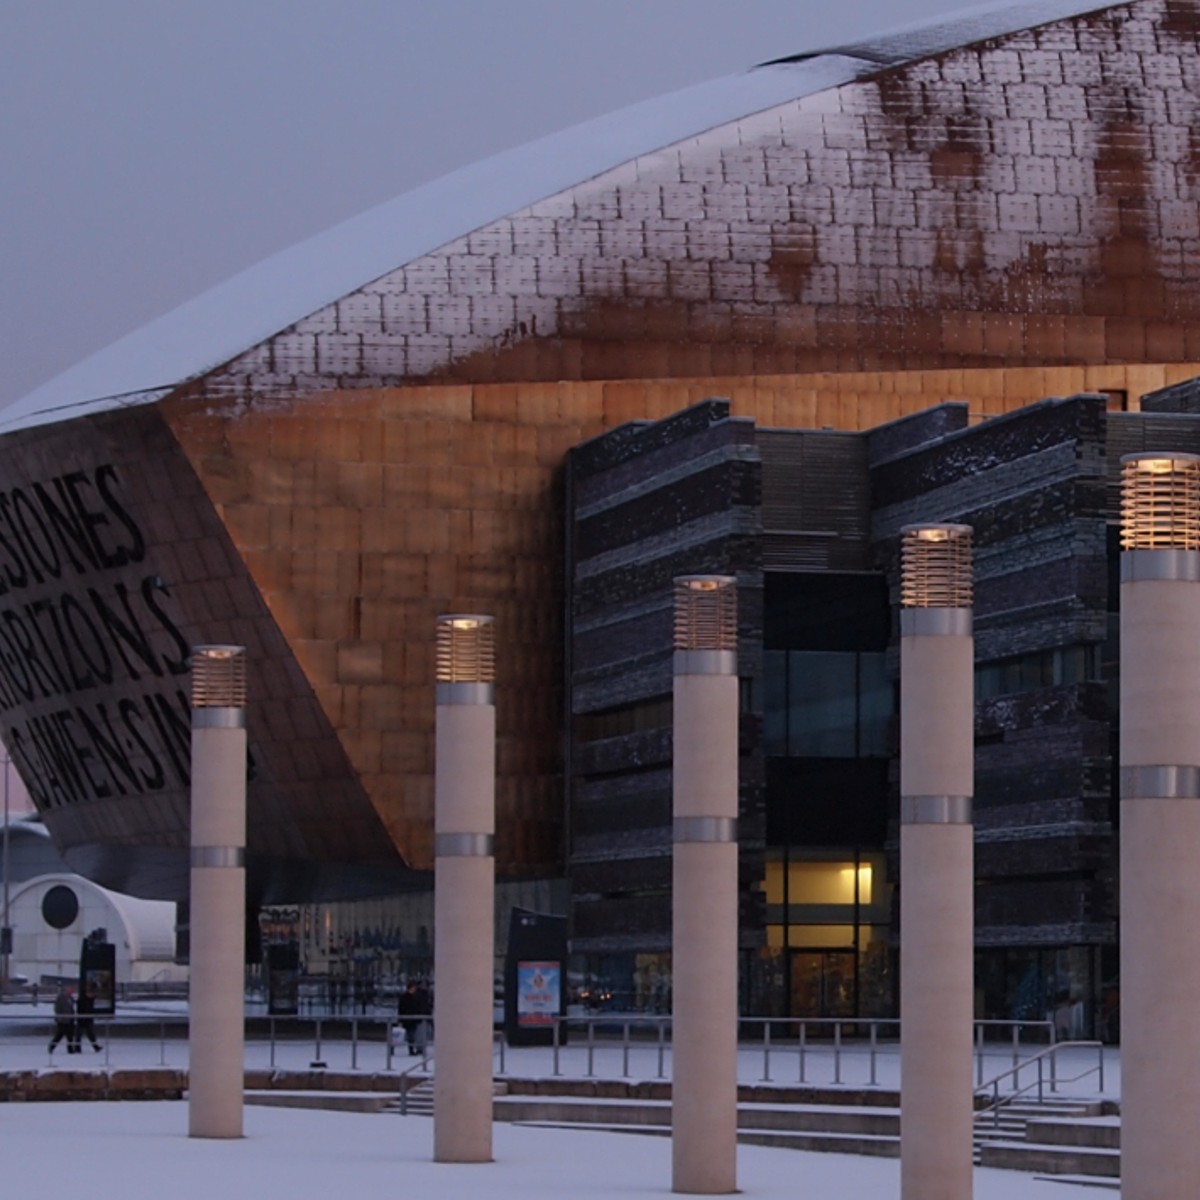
1039 486
1033 487
649 502
1178 398
816 501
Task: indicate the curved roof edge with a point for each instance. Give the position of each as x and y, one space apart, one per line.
259 302
978 23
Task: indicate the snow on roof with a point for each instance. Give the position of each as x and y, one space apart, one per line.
259 302
976 23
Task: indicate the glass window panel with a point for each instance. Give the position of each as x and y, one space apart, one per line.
775 710
877 699
813 936
819 882
773 883
822 701
828 883
987 682
1010 678
1074 660
1033 672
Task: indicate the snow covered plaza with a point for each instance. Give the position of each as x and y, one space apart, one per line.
311 1155
939 279
314 1153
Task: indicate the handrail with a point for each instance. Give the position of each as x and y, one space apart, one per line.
406 1078
1048 1054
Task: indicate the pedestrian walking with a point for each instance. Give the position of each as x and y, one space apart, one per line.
64 1021
408 1009
424 1010
85 1024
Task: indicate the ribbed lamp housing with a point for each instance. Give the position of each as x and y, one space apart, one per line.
466 648
935 566
219 677
706 612
1160 502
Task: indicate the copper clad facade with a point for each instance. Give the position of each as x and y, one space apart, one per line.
361 517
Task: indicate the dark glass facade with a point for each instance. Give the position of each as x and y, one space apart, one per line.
829 709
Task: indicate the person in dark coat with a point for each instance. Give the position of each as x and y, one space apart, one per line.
64 1021
425 1012
408 1009
85 1025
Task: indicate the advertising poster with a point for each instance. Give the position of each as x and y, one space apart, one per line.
534 975
98 978
537 993
283 979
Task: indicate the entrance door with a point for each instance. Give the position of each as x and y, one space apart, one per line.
823 983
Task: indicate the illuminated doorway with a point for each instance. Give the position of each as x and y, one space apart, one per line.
823 983
828 915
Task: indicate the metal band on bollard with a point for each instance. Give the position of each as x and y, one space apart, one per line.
705 662
936 810
464 845
1160 782
1165 564
218 718
705 829
465 693
218 856
925 622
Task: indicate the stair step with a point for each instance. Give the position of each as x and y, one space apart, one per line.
881 1146
329 1101
1063 1140
1092 1181
1051 1158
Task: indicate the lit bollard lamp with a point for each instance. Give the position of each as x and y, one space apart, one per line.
704 886
217 941
464 879
1160 825
937 922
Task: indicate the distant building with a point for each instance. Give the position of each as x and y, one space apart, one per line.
52 911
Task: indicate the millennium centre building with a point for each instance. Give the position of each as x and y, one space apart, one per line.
753 327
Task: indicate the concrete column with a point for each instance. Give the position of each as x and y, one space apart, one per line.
216 1010
464 885
937 706
704 888
1160 826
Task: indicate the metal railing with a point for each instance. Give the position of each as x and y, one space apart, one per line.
808 1050
1014 1030
409 1081
367 1039
656 1026
835 1041
1044 1064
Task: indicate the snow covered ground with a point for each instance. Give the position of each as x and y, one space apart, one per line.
142 1148
141 1151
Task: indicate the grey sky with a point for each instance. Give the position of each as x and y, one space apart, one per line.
152 148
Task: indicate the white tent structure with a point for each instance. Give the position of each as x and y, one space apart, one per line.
53 914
